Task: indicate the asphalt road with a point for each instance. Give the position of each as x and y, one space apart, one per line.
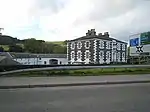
110 98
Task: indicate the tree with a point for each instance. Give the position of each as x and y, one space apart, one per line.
39 46
15 48
34 46
58 49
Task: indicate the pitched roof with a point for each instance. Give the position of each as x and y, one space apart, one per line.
30 55
7 61
6 54
97 37
91 37
91 34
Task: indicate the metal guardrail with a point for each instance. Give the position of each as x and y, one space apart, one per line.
73 68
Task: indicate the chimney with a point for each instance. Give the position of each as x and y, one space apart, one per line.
100 34
93 32
106 34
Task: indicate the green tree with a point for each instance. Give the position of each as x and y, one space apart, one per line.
15 48
58 49
34 46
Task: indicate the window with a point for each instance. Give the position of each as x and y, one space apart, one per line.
72 55
101 54
123 47
118 46
60 62
101 44
45 62
123 55
39 58
79 45
108 55
108 45
72 45
87 55
79 55
118 55
87 44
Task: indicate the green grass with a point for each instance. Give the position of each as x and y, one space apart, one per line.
86 72
61 43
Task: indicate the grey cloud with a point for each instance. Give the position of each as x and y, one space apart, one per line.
137 23
112 8
140 22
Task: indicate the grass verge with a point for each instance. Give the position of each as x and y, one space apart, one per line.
85 72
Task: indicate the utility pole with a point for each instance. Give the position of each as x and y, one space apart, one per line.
1 30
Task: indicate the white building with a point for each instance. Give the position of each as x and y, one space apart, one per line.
96 49
39 59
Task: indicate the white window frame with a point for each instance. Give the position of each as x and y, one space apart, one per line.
123 55
118 46
108 55
108 44
80 45
101 44
72 57
123 47
101 56
86 54
118 55
86 44
73 45
78 55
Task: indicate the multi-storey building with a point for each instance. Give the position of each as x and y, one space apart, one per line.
96 49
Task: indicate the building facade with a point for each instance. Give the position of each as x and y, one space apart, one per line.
96 49
35 59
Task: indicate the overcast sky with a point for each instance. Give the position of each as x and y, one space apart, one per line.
54 20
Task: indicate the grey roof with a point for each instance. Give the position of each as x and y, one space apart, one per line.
119 41
2 57
30 55
7 61
92 35
96 36
6 54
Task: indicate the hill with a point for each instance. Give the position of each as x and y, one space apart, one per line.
8 40
11 44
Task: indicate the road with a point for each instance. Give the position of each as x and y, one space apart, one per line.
110 98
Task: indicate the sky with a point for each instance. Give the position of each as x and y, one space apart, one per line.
58 20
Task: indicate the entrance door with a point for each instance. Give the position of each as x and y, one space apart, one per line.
53 61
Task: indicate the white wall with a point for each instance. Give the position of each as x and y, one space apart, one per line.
37 61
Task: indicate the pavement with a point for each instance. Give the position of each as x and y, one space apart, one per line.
101 98
34 82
